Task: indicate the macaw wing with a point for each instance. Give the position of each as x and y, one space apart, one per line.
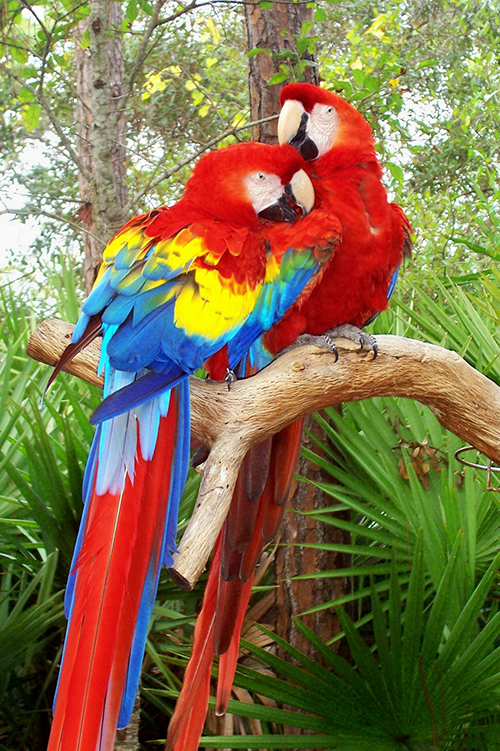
296 262
402 227
166 297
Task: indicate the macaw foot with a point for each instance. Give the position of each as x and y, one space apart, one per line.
324 341
230 378
355 334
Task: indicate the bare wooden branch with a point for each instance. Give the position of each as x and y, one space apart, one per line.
50 339
298 383
229 131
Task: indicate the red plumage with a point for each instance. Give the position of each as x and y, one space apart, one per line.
372 237
121 542
176 285
375 237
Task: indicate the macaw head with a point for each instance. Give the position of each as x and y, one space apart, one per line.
315 121
248 182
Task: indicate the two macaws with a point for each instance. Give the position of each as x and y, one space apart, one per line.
176 287
370 238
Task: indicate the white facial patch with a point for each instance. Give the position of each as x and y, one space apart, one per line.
322 126
263 190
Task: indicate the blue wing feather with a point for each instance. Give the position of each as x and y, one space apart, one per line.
140 391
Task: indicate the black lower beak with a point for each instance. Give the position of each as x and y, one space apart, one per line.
284 210
301 141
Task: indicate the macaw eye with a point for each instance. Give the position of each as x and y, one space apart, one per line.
261 176
329 111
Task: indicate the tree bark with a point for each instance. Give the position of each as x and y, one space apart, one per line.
100 84
273 29
277 29
292 597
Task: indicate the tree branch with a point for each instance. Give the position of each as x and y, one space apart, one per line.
51 215
298 383
140 57
154 181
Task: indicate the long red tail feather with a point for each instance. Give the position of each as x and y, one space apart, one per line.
191 707
229 659
123 538
251 522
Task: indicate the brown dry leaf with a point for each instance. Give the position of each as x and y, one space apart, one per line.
174 639
402 470
423 459
255 636
243 695
259 609
220 725
421 476
267 558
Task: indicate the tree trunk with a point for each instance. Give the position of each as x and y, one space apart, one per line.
100 85
100 76
292 560
274 30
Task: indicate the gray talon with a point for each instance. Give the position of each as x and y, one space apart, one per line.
323 341
230 378
327 341
357 335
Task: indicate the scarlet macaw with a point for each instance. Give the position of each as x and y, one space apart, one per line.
371 237
176 285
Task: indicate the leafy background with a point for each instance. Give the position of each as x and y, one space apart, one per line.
418 666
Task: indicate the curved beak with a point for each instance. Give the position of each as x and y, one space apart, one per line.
292 129
302 191
290 120
296 200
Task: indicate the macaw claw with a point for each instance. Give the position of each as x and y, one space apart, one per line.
323 341
355 334
230 378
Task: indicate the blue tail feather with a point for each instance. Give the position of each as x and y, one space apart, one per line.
180 470
180 463
134 394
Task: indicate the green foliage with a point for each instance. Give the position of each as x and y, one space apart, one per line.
428 680
40 501
422 531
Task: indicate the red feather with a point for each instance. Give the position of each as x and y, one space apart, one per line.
229 660
372 237
122 529
251 522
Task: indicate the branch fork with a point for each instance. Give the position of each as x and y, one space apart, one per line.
297 384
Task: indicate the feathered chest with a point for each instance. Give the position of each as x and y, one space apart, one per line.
356 282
